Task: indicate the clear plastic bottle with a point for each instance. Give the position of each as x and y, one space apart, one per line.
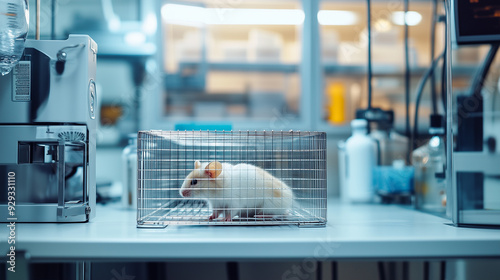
360 161
393 180
391 145
14 20
429 161
129 176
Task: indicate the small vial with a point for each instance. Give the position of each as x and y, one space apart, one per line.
129 176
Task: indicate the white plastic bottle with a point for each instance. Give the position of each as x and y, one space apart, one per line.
14 19
360 160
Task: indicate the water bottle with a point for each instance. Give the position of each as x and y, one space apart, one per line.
14 19
360 160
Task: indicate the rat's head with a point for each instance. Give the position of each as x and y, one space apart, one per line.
201 182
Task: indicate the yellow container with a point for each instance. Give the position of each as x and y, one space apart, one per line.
336 106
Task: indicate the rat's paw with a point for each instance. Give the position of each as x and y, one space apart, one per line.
212 217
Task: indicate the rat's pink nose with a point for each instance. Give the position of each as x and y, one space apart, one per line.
185 193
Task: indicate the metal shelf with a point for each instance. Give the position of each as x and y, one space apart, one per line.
329 68
243 66
389 70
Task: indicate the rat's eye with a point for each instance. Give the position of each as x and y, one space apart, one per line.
194 182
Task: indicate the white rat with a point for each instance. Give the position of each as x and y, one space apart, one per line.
240 190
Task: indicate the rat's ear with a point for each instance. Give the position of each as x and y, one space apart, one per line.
197 164
213 169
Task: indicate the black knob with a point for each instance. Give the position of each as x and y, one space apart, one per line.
491 143
60 67
61 61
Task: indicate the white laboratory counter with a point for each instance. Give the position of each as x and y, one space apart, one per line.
353 231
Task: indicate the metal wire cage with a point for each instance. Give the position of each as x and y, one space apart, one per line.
231 178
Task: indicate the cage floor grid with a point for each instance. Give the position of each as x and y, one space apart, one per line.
196 212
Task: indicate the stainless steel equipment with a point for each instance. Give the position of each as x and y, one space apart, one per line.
48 133
473 156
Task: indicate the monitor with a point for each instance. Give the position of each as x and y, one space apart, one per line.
477 21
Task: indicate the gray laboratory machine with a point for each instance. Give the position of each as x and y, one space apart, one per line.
48 124
474 121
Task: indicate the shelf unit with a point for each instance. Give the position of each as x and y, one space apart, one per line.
243 66
329 68
190 76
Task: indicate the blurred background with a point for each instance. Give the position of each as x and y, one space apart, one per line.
249 65
263 65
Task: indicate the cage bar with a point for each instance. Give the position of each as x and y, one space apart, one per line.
231 178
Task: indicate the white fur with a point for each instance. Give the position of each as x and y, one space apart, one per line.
243 189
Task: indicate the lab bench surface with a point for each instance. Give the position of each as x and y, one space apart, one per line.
352 232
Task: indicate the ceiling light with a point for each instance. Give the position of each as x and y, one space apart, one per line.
330 17
412 18
191 15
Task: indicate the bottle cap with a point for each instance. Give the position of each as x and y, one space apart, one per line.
132 138
436 120
437 124
376 115
359 123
